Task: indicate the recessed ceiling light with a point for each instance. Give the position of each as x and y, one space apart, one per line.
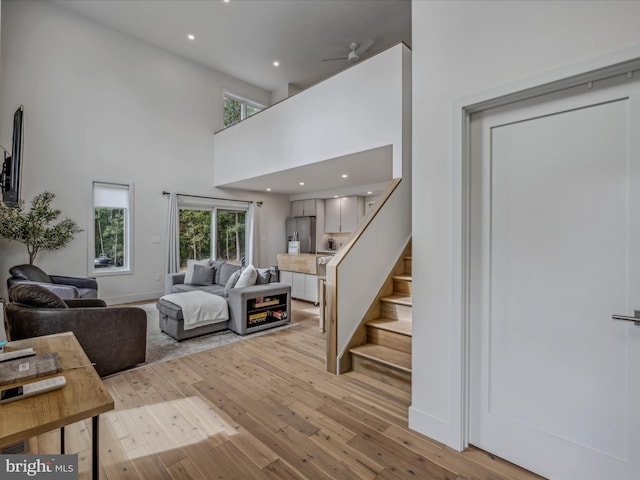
344 175
301 183
268 189
276 63
335 196
369 193
225 1
191 37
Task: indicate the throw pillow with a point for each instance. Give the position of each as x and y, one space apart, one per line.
226 270
202 275
216 276
264 276
190 264
247 277
231 282
35 296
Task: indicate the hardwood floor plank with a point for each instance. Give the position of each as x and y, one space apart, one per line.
280 470
261 456
232 462
327 425
185 470
292 419
297 457
363 466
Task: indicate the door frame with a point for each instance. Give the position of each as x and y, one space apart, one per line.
599 68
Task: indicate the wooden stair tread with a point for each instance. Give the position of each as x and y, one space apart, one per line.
384 355
402 327
406 278
399 299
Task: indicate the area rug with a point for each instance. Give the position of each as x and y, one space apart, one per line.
162 347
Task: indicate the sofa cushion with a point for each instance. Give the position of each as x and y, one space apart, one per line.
216 276
190 266
30 272
231 283
264 276
202 275
215 289
36 296
226 270
247 277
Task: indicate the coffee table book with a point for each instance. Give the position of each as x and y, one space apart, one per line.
27 368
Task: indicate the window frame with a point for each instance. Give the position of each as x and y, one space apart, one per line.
127 269
244 102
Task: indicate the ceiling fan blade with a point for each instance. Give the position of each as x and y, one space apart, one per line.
364 47
334 58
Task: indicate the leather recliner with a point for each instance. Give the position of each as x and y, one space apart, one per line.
64 287
114 338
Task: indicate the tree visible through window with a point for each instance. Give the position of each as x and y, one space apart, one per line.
111 204
230 236
203 231
236 109
109 238
195 235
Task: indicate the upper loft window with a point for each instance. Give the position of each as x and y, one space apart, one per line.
237 108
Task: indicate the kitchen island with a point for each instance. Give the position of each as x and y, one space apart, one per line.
300 270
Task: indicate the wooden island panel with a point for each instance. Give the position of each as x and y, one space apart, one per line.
300 262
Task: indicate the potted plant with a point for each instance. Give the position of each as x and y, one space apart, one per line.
34 227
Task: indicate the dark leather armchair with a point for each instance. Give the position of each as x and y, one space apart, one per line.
64 287
115 338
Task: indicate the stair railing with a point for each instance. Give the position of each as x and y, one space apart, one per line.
357 271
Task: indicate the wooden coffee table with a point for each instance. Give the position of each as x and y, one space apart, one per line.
82 397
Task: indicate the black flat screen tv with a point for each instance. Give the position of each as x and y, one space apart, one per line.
11 166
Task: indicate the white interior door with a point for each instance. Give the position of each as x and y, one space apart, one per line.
555 382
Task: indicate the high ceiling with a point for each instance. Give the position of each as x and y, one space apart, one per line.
244 37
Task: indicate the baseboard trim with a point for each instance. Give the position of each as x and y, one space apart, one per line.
138 297
432 427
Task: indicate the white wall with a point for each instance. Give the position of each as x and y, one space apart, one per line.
353 111
460 49
103 105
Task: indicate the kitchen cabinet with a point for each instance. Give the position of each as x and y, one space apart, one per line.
342 215
304 208
304 286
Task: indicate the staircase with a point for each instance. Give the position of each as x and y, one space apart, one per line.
386 355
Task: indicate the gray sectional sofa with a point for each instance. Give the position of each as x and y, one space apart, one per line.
217 278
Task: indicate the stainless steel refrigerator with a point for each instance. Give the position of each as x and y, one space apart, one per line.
305 229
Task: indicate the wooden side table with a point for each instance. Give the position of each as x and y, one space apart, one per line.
82 397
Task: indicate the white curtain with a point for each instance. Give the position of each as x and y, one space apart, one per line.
251 235
173 241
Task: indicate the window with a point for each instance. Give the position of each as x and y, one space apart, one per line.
230 238
214 229
195 235
111 237
236 109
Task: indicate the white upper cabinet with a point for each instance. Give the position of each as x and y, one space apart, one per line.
342 215
303 208
309 209
332 215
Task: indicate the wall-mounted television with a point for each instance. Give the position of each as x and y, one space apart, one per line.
11 166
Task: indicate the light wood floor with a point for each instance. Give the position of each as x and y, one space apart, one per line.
264 408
